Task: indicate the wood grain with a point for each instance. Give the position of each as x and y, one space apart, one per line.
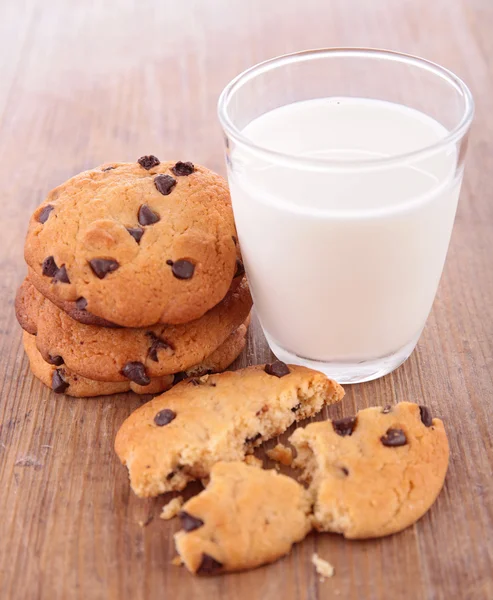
87 82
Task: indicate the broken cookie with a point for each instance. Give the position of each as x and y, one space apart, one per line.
373 474
245 518
215 418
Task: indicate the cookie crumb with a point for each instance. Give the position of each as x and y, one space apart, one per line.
323 567
147 521
253 461
171 509
282 454
177 561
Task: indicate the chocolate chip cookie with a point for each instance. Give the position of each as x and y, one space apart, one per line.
245 518
123 354
62 380
136 244
376 473
180 435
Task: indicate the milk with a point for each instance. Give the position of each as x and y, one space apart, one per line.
343 258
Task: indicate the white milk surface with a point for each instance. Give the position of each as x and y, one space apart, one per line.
344 263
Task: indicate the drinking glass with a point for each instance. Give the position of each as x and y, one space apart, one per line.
345 167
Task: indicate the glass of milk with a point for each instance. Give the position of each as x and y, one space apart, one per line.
345 167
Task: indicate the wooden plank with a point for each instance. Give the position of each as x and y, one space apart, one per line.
84 83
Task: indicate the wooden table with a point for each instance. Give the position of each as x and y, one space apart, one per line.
87 82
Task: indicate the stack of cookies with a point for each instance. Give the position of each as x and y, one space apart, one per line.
134 281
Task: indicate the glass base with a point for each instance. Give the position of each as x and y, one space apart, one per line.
347 372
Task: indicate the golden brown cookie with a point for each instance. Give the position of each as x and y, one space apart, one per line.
64 381
180 435
122 354
376 473
245 518
136 243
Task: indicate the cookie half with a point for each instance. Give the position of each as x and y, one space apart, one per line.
62 380
180 435
136 243
246 517
121 354
376 473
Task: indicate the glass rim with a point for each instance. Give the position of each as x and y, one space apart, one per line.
452 136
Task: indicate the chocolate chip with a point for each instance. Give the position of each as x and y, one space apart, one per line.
297 407
393 438
189 522
426 417
386 409
344 426
147 162
277 368
136 233
164 184
81 303
49 268
179 377
183 269
345 471
58 383
102 266
61 276
240 269
164 417
169 262
253 439
183 168
108 169
157 343
147 216
136 372
56 360
44 213
209 565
